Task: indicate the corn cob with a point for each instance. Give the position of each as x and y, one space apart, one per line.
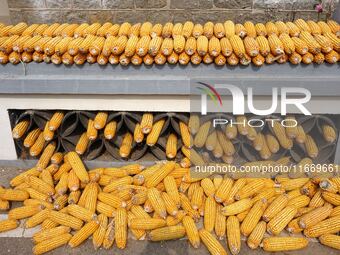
20 129
91 197
315 216
40 29
328 226
273 244
329 133
134 30
105 209
250 29
314 27
37 219
282 28
154 196
64 168
78 166
82 144
256 235
299 202
288 43
153 136
208 29
271 29
202 45
249 189
58 31
260 29
61 187
302 25
139 234
146 224
126 145
330 240
319 58
6 225
23 212
85 232
44 235
51 244
167 233
253 217
211 243
187 29
111 200
240 30
109 235
332 198
156 30
328 185
102 30
121 228
214 46
191 231
237 44
334 26
280 221
112 31
48 224
220 223
4 31
251 46
209 214
39 185
18 29
275 44
313 46
233 235
30 30
311 147
332 57
46 156
29 44
237 207
18 45
325 43
65 219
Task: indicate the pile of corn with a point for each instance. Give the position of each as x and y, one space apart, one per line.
200 140
162 202
219 43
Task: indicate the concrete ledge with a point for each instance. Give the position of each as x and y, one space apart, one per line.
43 78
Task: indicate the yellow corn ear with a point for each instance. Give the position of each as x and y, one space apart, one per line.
78 166
121 227
280 221
51 244
153 136
85 232
330 240
256 236
233 235
6 225
274 244
167 233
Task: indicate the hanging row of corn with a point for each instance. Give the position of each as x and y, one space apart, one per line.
220 43
163 202
195 135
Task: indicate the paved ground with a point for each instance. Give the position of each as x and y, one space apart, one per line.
19 242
